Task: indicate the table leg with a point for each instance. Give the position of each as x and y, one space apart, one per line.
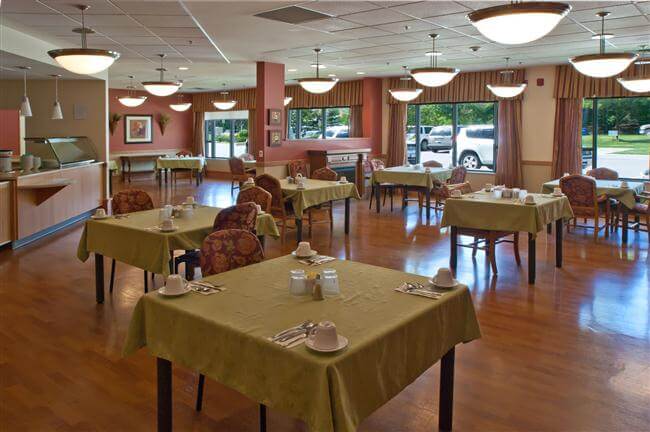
405 195
531 258
453 256
197 178
123 161
559 226
165 176
549 228
347 216
624 223
160 171
262 418
377 196
299 229
99 278
129 162
164 372
110 183
427 193
446 407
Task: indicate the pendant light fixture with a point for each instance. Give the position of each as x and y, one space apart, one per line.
508 88
180 106
641 83
84 60
434 76
225 103
518 23
287 100
57 113
162 87
131 99
603 65
317 85
25 106
404 94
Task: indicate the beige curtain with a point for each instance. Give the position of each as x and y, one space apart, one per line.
252 141
397 135
571 84
356 121
567 154
198 135
509 150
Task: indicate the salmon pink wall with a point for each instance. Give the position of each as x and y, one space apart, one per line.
10 131
178 134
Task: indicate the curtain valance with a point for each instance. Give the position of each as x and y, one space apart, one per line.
345 93
245 100
571 84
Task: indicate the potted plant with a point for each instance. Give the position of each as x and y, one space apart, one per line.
113 120
163 121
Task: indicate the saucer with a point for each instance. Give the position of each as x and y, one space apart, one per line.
531 203
557 195
311 254
624 187
342 343
433 282
100 217
194 204
167 230
163 291
343 182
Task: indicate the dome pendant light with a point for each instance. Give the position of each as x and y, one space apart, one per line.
131 99
84 60
405 94
518 23
434 76
162 87
57 113
180 106
507 89
603 65
25 106
638 84
317 85
224 104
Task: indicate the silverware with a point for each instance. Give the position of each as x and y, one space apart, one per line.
304 327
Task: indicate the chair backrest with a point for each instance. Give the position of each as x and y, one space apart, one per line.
184 153
240 216
367 166
432 164
272 186
443 190
246 157
229 249
257 195
458 175
324 173
236 165
297 166
580 190
377 164
603 174
383 157
131 200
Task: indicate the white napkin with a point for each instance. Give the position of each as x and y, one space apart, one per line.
317 260
403 288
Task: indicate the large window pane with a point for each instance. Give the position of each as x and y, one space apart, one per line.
337 121
240 128
222 131
311 123
587 134
411 135
293 124
476 135
226 134
435 137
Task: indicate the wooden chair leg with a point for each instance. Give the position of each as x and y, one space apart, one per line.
383 203
146 282
475 247
607 218
199 392
112 276
492 254
515 245
392 191
372 195
309 220
596 224
331 214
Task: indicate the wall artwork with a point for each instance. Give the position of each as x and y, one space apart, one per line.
138 129
275 138
275 117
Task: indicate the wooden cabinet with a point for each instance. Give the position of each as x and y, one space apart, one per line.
7 216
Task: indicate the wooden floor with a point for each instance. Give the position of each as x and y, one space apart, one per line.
571 353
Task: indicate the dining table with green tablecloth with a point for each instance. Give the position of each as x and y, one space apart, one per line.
137 240
393 339
423 178
192 163
314 193
485 211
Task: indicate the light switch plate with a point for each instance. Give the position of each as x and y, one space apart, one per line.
260 154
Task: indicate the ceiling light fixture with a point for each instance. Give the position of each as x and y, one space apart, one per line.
131 99
518 23
25 106
434 76
224 104
287 100
603 65
180 106
162 87
405 94
183 68
292 70
84 60
508 88
638 84
317 85
432 53
57 113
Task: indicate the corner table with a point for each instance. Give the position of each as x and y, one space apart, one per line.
194 164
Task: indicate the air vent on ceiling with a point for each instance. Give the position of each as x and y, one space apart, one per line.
292 15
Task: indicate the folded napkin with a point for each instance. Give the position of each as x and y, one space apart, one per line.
422 292
205 288
293 336
317 260
292 342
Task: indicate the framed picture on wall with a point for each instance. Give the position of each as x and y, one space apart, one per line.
275 138
138 129
275 117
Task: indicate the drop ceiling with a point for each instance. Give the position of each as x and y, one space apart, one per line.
220 41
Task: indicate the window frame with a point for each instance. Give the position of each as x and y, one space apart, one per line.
323 122
209 124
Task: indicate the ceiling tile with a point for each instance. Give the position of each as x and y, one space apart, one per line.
582 5
349 44
69 7
379 49
399 27
331 24
40 19
363 32
452 20
386 40
432 8
184 32
151 7
644 6
589 15
336 8
376 17
169 20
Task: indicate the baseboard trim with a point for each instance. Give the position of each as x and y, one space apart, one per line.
51 230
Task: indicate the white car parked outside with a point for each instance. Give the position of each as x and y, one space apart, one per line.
475 146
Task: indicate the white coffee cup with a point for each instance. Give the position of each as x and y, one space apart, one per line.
566 175
303 249
488 187
324 336
444 277
167 224
456 193
344 179
557 191
530 199
100 213
297 282
189 200
624 184
175 284
250 181
298 176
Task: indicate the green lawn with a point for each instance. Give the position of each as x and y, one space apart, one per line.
628 144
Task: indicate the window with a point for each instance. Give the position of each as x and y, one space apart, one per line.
453 134
316 123
616 135
226 134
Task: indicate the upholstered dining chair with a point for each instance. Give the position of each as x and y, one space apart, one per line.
388 188
257 195
432 164
238 173
247 157
458 175
175 171
487 241
281 210
442 191
129 201
581 192
324 173
297 166
603 173
641 214
223 251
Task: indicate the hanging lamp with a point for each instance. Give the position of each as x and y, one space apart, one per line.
180 106
131 99
57 113
603 65
84 60
317 85
405 94
225 103
434 76
25 106
508 88
287 100
162 87
640 83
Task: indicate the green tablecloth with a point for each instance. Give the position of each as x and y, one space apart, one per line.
480 210
129 241
316 192
409 176
394 338
611 188
180 163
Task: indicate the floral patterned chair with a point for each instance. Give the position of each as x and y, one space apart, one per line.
257 195
458 175
603 174
129 201
238 173
247 157
432 164
324 173
581 192
377 164
442 191
297 166
281 209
